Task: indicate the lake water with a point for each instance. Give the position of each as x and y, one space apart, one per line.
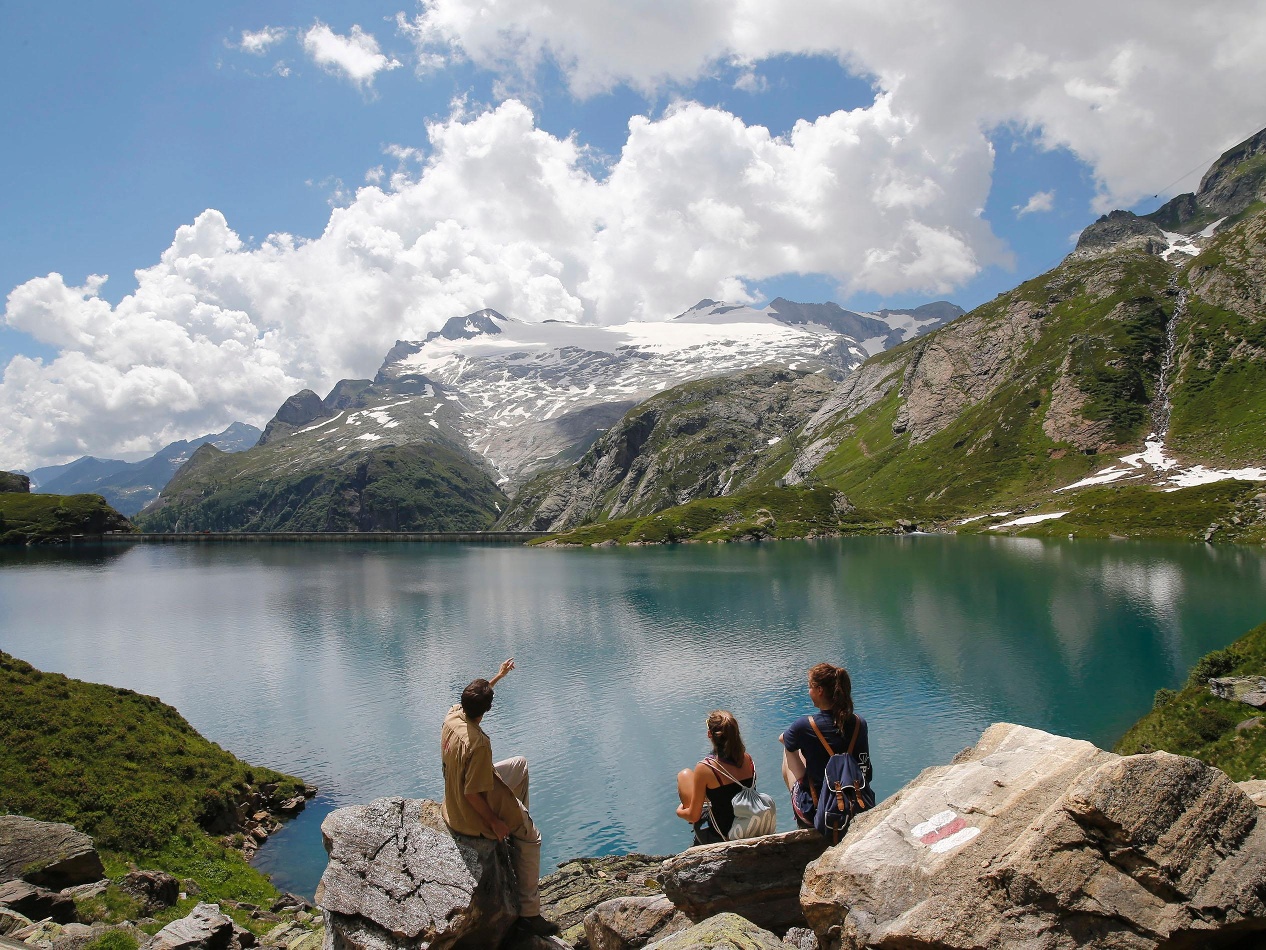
336 662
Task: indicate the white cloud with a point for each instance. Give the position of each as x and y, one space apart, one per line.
356 56
500 214
1142 90
258 42
1038 201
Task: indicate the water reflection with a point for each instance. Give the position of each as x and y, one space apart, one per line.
336 662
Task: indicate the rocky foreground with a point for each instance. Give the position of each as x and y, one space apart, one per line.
1026 840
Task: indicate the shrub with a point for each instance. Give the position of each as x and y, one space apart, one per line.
1217 663
1211 724
1163 697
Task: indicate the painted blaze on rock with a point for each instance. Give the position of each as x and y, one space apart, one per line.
399 878
1034 840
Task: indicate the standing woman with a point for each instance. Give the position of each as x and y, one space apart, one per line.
715 781
804 753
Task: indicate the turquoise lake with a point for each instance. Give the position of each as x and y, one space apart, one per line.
336 662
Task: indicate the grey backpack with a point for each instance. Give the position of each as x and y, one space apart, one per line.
754 812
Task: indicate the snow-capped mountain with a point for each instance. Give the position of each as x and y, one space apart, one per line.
526 396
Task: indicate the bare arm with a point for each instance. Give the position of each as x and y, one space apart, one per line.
698 795
506 667
479 801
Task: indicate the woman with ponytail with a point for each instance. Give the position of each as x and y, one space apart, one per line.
805 747
715 780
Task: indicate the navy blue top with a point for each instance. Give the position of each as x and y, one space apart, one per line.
800 737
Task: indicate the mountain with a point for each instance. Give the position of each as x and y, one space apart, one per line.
1122 392
492 401
129 486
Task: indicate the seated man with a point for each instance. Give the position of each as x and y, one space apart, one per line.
490 801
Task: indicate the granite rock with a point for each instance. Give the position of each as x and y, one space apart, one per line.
37 903
205 928
1034 840
398 877
155 890
757 877
577 887
626 923
722 932
50 854
1250 690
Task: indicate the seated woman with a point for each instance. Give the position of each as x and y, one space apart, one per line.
805 748
715 781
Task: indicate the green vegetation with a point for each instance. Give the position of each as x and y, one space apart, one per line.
1194 722
1230 507
418 487
767 513
113 940
36 519
130 771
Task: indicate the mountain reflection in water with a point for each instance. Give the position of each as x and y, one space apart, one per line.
336 662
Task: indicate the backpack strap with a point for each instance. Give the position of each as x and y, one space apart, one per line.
852 743
718 767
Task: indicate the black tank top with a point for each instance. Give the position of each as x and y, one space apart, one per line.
721 798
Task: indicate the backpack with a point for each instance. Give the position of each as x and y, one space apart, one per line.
844 789
754 812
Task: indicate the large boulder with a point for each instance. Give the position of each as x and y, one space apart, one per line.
155 890
205 928
722 932
627 923
47 853
1250 690
1033 840
756 877
399 878
37 903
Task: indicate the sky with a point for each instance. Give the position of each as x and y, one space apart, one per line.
213 206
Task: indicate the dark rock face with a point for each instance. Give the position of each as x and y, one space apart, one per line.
13 482
49 854
37 903
400 879
756 877
1031 840
154 889
206 928
569 895
1115 228
301 409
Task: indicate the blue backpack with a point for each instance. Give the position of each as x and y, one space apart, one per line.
844 789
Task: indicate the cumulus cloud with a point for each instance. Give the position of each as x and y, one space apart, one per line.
357 57
1142 90
1038 201
258 42
498 213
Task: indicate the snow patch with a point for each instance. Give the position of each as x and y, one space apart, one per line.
1199 475
1030 519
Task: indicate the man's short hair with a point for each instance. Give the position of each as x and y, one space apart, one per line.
477 698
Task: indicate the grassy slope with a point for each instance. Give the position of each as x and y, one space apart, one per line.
996 452
763 513
420 487
128 770
1194 722
28 518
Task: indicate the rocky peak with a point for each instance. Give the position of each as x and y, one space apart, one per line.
301 409
1118 228
468 327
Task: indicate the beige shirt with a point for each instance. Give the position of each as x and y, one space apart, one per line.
467 756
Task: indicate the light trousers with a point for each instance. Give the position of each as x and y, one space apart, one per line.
525 840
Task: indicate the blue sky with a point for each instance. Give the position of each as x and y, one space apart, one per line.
125 122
